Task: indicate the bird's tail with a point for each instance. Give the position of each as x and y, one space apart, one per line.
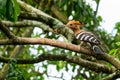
96 49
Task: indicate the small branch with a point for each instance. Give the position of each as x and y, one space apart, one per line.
111 60
79 73
71 59
58 14
95 13
6 31
112 76
26 23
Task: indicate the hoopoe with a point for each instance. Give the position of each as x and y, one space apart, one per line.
85 36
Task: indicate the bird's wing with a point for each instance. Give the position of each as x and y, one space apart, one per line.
87 37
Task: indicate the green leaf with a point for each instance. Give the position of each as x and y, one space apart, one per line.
118 56
113 52
42 78
80 3
2 7
118 43
16 10
99 18
12 10
9 10
60 65
117 26
12 78
63 2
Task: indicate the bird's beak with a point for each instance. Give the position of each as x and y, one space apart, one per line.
81 24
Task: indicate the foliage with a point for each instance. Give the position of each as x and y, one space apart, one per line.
9 9
79 10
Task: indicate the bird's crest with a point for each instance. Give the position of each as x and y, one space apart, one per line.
74 22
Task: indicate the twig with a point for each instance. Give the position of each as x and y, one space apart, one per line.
7 32
58 14
95 13
112 76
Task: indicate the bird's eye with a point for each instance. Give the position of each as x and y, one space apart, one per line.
71 24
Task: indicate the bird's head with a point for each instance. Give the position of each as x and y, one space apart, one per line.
74 24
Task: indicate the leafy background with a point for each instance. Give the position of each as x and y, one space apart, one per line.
58 70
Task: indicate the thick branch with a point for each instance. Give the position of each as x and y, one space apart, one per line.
36 14
45 41
38 17
72 59
43 16
60 44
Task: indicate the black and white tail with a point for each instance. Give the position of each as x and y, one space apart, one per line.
96 49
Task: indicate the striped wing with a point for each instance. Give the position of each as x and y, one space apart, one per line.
87 37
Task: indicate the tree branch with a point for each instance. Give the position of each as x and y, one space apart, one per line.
27 23
58 14
38 17
36 14
55 43
6 31
112 76
43 16
60 44
71 59
95 13
53 23
45 41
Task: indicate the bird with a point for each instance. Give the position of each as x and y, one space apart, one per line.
85 36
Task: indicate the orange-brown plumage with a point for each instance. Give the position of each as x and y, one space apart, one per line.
74 22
